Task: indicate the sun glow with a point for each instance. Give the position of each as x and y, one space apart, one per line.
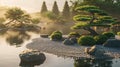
31 5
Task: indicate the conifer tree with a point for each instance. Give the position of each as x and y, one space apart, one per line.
66 11
44 7
96 17
55 9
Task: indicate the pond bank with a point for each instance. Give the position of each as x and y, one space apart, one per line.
59 49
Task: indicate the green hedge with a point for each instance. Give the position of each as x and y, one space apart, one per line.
100 39
73 34
109 34
86 40
57 35
57 32
118 33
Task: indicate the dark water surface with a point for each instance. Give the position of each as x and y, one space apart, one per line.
13 42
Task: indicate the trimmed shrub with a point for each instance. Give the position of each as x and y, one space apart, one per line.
109 34
57 35
73 34
100 39
118 33
86 40
57 32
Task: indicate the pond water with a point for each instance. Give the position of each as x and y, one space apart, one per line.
13 42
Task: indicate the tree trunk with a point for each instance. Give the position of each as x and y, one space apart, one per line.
92 32
93 18
9 22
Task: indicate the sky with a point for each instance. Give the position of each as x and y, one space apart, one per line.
32 5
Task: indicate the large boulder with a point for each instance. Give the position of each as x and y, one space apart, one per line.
96 50
68 42
114 43
32 56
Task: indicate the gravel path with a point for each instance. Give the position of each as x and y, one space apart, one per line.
57 48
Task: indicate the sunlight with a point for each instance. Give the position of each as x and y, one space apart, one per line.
31 5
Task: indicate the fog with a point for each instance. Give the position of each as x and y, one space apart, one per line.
32 5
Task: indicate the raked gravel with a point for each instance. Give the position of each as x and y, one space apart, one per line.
58 48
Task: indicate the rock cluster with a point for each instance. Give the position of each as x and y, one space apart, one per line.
95 50
70 41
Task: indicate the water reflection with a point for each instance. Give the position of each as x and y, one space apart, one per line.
31 64
92 63
3 31
17 37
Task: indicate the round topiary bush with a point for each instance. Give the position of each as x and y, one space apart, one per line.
57 32
109 34
56 36
86 40
73 34
100 39
118 33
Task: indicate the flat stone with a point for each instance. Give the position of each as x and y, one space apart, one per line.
68 42
96 51
44 35
114 43
31 56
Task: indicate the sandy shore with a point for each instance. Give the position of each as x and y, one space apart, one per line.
57 48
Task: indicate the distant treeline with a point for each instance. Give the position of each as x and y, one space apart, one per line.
66 12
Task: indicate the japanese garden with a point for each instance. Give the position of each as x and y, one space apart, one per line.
68 33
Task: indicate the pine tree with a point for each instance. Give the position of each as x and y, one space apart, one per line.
44 8
96 17
55 9
66 11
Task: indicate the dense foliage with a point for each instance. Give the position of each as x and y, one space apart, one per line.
86 40
44 8
17 15
107 5
100 39
51 15
66 11
57 35
109 34
74 34
92 16
118 33
55 9
57 32
35 20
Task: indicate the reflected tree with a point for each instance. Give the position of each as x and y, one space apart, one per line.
17 39
30 64
92 63
82 63
3 31
14 40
